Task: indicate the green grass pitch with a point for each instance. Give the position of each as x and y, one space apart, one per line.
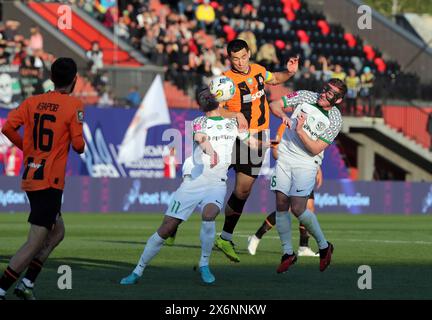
103 248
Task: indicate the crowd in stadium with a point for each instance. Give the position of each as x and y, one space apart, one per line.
188 38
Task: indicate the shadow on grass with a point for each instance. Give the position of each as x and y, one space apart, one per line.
99 279
179 245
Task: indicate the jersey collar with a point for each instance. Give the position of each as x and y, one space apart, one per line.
245 74
325 112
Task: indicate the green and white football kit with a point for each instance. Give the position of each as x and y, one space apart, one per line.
203 184
296 167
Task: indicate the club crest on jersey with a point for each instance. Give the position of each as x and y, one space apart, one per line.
80 116
320 126
229 126
250 81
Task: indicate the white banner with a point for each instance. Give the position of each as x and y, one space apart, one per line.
153 111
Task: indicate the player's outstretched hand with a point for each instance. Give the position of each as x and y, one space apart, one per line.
292 64
242 122
286 121
301 118
214 159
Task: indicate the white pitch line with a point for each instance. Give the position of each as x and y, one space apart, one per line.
355 240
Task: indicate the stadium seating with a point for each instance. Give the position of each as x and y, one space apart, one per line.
84 34
290 25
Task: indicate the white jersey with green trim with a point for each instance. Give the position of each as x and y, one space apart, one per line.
222 134
319 124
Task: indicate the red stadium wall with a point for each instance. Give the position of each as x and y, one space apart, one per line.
411 121
83 34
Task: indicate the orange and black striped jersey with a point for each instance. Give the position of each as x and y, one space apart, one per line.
52 121
250 98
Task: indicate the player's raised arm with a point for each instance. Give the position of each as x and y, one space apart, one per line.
251 141
314 147
281 77
14 121
207 148
278 109
243 124
287 103
256 144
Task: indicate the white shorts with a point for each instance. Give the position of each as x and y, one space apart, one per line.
196 193
294 178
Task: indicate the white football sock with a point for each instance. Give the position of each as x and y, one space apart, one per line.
207 236
283 226
310 221
226 236
152 248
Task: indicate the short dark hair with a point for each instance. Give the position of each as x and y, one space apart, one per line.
236 45
63 72
206 100
340 85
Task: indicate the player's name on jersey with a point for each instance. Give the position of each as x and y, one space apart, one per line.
46 106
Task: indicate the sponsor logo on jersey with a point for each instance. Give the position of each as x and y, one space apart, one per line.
308 129
80 116
222 137
292 95
247 98
258 95
34 165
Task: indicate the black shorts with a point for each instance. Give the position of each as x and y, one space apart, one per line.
247 161
312 195
45 206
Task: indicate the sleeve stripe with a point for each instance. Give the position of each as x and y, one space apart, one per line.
325 140
285 101
268 76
